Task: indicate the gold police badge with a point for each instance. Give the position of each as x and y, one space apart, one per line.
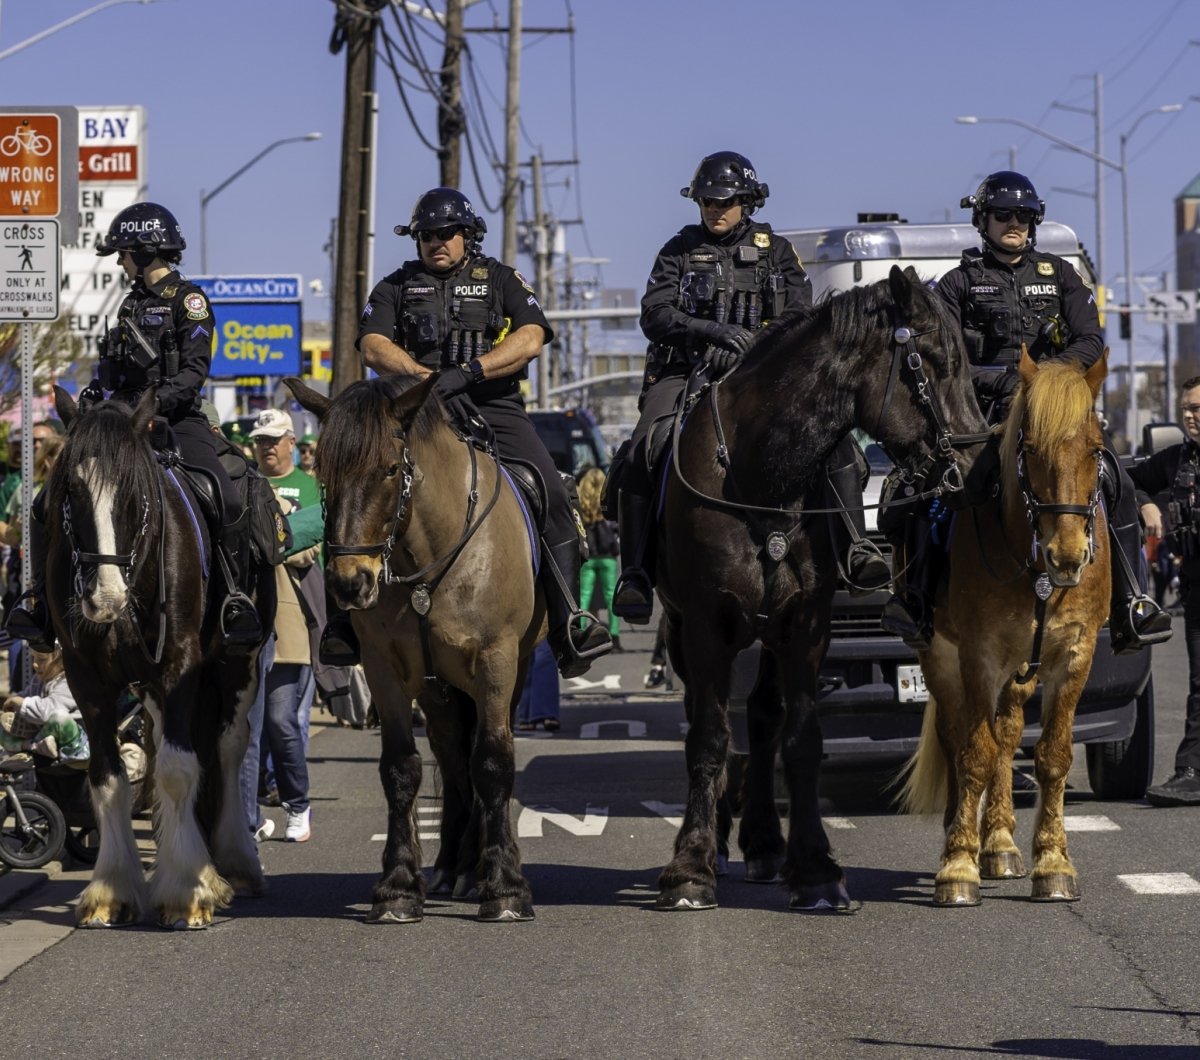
1045 268
479 272
762 239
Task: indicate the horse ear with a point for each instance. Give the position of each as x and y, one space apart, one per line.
406 405
902 292
147 406
308 398
1028 366
65 406
1094 377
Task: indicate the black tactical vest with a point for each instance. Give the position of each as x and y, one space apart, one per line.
141 349
1008 306
732 284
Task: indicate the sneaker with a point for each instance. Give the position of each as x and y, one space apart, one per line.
265 830
298 826
1183 789
656 676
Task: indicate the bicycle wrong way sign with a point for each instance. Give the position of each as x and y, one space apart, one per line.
39 165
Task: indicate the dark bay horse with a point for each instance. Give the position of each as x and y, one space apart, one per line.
134 609
429 551
738 562
1026 594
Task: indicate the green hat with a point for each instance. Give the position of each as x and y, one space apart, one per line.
308 439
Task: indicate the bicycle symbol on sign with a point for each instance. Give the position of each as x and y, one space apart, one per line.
29 140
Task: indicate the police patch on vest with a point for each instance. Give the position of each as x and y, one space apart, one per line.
196 306
762 239
418 290
477 290
1045 268
1040 288
479 272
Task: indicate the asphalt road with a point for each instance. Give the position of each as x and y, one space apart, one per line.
600 973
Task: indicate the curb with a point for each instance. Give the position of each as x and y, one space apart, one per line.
16 884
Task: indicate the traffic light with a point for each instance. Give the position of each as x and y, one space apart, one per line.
1126 324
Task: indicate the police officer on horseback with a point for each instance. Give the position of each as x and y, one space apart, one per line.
477 323
1006 295
163 339
712 287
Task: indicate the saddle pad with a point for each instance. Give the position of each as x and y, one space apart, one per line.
534 552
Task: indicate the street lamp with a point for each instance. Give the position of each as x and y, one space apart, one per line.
1122 168
206 197
65 23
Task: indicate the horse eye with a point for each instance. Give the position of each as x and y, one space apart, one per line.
393 471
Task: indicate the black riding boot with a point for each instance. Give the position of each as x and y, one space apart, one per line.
575 645
339 643
240 625
1135 620
862 564
633 598
909 612
29 618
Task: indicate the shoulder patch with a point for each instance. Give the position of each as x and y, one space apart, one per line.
479 272
522 281
1045 268
762 239
196 305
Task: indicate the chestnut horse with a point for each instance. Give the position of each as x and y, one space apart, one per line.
742 558
136 605
1027 592
429 551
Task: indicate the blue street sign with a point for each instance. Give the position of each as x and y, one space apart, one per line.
256 338
250 288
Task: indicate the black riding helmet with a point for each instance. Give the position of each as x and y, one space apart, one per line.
725 175
1005 191
147 231
440 207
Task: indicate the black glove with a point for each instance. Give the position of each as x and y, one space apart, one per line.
732 337
720 361
90 395
451 381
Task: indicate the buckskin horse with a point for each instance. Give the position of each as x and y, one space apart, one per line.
134 609
1034 560
739 559
430 551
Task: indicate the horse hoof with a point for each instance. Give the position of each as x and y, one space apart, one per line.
687 896
1056 887
397 911
829 897
952 893
1005 865
106 918
504 910
196 919
763 870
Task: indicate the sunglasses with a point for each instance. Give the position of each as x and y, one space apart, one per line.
442 235
1023 217
719 204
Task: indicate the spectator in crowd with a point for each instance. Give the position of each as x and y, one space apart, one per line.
602 564
47 722
656 677
308 453
540 701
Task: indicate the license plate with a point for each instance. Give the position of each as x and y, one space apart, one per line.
910 685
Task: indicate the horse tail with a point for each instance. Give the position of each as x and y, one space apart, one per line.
924 778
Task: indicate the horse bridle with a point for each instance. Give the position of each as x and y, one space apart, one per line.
399 525
1035 508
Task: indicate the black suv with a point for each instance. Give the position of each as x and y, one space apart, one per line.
574 440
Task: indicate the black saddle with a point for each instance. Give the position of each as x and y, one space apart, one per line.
533 488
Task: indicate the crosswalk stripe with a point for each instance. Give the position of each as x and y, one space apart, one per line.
838 822
1160 883
1090 823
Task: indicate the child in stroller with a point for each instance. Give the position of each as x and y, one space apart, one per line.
46 723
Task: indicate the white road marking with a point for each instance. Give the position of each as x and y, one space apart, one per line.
670 812
838 822
591 731
529 824
1090 823
1160 883
381 837
609 682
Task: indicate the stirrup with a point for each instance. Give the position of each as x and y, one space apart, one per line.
577 647
633 599
339 645
240 625
29 620
1138 631
906 616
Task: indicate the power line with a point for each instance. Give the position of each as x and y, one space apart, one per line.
1152 35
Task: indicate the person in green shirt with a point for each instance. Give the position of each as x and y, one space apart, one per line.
274 438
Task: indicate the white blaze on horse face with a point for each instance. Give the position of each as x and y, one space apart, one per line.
107 600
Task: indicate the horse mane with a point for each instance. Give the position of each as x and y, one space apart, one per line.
359 431
1051 410
106 433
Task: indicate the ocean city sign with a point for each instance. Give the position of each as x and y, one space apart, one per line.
249 288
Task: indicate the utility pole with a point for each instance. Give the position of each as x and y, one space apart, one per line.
450 111
355 226
543 281
512 117
1167 385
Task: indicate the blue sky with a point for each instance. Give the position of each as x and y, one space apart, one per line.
842 107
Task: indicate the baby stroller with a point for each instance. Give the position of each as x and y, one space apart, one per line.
45 806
